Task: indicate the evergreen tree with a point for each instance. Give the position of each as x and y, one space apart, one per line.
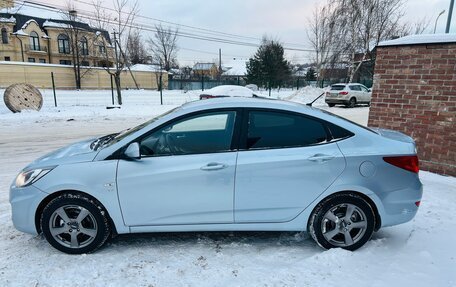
311 74
268 67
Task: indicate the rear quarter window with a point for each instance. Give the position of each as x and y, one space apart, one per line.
337 87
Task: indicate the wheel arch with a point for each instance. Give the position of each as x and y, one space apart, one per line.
370 201
56 194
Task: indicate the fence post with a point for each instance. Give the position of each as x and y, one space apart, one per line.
53 89
112 91
202 81
161 89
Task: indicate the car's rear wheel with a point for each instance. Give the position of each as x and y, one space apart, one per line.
331 105
344 220
351 102
75 224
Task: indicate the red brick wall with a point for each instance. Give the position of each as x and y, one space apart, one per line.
415 92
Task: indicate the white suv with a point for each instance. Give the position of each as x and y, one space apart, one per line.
348 94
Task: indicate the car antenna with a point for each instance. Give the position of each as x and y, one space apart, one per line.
310 104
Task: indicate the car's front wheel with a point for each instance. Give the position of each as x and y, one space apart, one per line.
75 224
343 220
331 105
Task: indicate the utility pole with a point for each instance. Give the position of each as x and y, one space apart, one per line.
220 64
450 14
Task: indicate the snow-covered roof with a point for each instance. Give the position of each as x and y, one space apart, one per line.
203 66
146 68
20 33
8 20
420 39
51 24
235 68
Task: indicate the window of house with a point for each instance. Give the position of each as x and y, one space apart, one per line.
83 46
31 60
42 61
34 41
65 62
64 44
271 129
4 36
101 49
7 58
85 63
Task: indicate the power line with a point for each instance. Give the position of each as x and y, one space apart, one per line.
150 28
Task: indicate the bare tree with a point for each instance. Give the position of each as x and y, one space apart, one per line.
324 36
80 43
121 23
366 23
164 46
137 53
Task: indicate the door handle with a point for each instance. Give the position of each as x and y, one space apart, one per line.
214 166
320 157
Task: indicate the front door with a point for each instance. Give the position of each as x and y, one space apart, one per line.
185 174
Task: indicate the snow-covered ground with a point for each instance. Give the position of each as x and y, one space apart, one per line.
418 253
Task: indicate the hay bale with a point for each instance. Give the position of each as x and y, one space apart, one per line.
19 97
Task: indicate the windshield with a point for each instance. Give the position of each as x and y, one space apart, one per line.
114 138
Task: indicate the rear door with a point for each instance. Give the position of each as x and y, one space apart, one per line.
287 162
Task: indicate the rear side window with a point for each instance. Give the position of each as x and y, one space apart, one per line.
269 129
337 87
355 88
338 133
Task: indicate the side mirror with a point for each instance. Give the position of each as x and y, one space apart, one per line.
132 151
369 90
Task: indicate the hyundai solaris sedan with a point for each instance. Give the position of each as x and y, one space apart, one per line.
227 164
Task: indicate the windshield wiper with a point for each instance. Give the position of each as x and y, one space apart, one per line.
101 141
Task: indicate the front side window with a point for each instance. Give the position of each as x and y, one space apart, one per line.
64 44
364 89
203 133
34 41
4 36
270 129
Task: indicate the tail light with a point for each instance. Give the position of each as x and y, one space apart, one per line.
204 97
343 93
408 162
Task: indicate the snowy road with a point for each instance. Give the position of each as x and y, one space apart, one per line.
419 253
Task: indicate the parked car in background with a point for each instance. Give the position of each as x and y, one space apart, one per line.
228 164
228 91
349 95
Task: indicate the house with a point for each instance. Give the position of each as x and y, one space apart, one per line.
235 71
205 69
414 92
27 38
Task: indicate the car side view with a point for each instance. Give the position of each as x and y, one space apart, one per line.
225 164
349 95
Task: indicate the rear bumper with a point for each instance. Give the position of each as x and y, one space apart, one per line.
336 101
399 206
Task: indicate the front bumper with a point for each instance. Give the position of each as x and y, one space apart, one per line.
24 203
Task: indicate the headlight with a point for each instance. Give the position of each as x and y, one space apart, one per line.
26 178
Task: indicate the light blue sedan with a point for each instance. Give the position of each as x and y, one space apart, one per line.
228 164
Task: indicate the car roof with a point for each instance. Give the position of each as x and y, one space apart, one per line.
242 102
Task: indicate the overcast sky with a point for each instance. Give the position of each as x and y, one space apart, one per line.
281 19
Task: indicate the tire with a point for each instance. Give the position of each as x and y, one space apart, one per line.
65 231
340 232
351 103
331 105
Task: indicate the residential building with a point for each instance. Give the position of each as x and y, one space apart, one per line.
206 69
26 38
